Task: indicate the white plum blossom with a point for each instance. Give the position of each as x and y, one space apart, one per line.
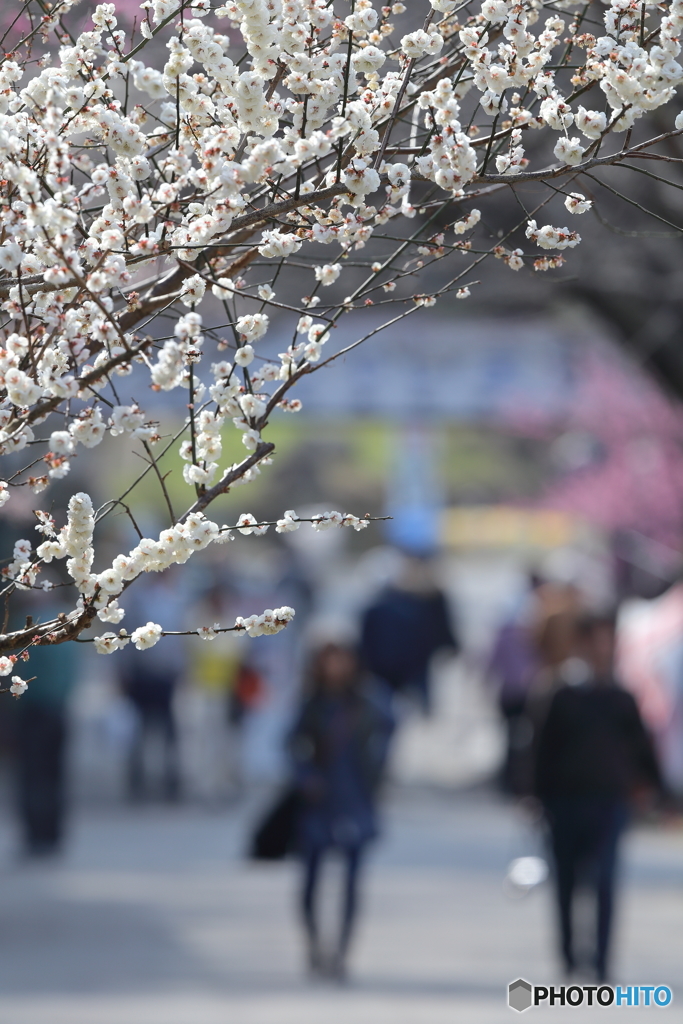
10 256
62 442
577 203
495 10
111 612
110 580
368 60
324 520
470 221
146 636
107 643
591 122
515 260
21 389
89 429
246 524
328 273
252 407
50 549
125 419
18 686
193 290
208 632
417 44
354 522
549 237
269 622
224 288
288 523
569 151
277 243
244 355
360 178
164 201
252 326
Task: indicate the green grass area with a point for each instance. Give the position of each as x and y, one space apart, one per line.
349 461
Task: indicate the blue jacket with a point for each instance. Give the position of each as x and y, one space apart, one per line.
339 747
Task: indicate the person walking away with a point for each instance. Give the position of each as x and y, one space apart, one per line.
211 742
149 680
593 758
338 747
403 629
513 665
41 748
557 647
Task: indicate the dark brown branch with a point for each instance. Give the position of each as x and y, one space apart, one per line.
56 631
43 408
167 289
223 486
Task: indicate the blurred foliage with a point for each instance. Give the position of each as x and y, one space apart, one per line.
338 460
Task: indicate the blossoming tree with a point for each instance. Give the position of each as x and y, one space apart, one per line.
172 190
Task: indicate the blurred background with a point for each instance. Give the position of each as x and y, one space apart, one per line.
536 467
528 447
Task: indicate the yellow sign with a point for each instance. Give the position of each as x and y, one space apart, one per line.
502 526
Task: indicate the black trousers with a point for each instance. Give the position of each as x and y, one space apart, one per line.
585 834
313 860
41 747
515 775
152 698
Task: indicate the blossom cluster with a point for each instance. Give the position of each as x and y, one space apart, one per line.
269 622
100 591
165 188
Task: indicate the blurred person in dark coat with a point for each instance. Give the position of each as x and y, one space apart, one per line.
402 630
41 747
513 665
149 679
593 758
556 642
339 747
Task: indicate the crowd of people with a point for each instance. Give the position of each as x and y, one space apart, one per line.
577 747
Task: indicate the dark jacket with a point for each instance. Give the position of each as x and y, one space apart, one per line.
339 747
593 743
514 663
401 632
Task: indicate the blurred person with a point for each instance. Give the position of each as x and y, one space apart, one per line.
558 609
514 664
149 680
557 646
41 748
650 665
246 693
269 683
338 746
594 756
215 675
404 628
556 641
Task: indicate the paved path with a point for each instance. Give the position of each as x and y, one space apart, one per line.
153 918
